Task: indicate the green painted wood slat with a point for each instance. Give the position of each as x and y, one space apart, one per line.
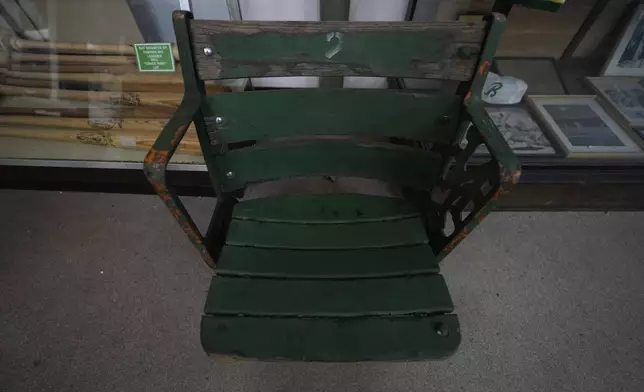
410 338
328 298
326 264
328 208
400 232
263 115
444 50
406 166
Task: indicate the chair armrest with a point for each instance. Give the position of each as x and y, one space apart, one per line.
508 163
471 186
155 164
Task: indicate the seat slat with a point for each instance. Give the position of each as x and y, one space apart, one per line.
383 234
263 115
331 208
326 264
328 298
406 166
410 338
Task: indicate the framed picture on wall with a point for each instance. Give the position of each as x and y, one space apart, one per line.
520 130
583 127
624 95
627 58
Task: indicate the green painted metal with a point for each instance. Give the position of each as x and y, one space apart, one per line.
326 264
408 231
411 338
328 298
219 221
493 38
509 168
443 50
332 208
405 166
263 115
157 159
465 183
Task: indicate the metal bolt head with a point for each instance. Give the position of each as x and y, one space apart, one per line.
230 174
207 51
441 329
219 120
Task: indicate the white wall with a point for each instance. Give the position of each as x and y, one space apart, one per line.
374 10
210 9
282 10
154 17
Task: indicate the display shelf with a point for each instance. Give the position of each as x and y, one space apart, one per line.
551 183
545 185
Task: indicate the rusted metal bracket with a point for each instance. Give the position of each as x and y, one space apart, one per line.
157 159
468 192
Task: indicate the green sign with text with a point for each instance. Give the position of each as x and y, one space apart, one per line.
154 57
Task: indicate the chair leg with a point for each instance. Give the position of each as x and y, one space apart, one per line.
218 227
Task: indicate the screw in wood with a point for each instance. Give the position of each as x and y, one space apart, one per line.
444 120
207 51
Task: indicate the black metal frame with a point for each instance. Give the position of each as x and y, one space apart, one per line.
543 186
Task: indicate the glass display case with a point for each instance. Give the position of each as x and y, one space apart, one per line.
88 85
75 87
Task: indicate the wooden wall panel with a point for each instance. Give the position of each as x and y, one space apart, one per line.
536 33
602 27
481 5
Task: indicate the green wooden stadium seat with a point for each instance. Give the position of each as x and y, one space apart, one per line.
335 276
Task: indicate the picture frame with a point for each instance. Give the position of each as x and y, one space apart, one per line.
583 127
624 95
640 132
627 59
521 131
540 73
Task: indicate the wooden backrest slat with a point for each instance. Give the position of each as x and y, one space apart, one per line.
237 49
265 115
394 164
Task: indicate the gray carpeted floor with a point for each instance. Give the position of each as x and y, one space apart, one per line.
104 293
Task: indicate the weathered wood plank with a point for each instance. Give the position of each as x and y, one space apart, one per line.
332 208
326 264
444 50
261 115
400 232
422 294
407 166
411 338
